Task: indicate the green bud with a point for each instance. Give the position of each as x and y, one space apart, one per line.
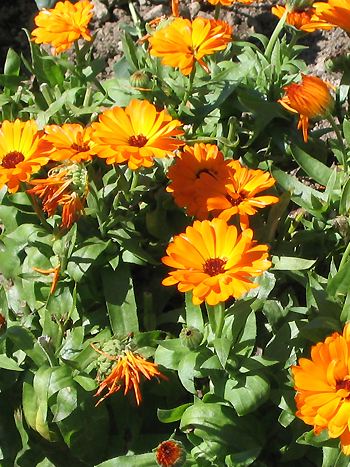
139 79
191 337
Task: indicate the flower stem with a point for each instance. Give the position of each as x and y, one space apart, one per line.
216 316
336 130
217 11
189 87
345 257
274 36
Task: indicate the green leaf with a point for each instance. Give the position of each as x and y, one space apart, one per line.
9 364
247 393
120 300
344 205
346 130
140 460
26 341
333 457
222 348
84 257
12 63
291 263
339 284
311 166
66 403
194 316
172 415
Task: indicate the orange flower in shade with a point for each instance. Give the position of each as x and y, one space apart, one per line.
127 373
184 42
194 168
136 134
241 194
63 25
66 186
310 98
22 152
213 261
170 454
229 2
70 141
335 12
305 20
323 387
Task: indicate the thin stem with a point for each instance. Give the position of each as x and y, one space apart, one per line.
274 36
38 212
135 19
336 130
345 257
189 87
217 11
216 317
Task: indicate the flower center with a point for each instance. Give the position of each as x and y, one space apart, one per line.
137 140
12 159
235 199
345 384
212 173
214 266
78 148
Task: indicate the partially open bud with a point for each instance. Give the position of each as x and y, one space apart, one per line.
191 337
170 453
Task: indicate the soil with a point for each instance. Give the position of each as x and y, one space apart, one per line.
111 16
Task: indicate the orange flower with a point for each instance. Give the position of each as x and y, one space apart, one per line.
323 387
70 141
63 25
194 170
240 194
229 2
310 98
335 12
66 186
135 134
127 373
213 261
170 453
305 20
22 152
184 42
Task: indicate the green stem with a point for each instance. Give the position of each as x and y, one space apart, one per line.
87 96
38 212
135 180
189 87
345 257
217 11
336 130
274 36
135 19
216 316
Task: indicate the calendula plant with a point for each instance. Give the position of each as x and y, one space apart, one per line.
174 245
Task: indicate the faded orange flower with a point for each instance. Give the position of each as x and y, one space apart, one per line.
335 12
66 186
310 98
182 43
305 20
61 26
214 262
127 373
323 387
70 141
194 170
170 454
136 134
22 152
240 194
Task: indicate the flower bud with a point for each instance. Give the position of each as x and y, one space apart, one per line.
139 79
191 337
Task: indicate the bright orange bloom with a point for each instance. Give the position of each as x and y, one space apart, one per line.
63 25
305 20
323 387
66 186
127 373
70 141
184 42
170 453
22 152
310 98
56 275
136 134
213 261
240 194
193 169
229 2
335 12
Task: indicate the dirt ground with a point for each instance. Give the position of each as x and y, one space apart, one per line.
110 15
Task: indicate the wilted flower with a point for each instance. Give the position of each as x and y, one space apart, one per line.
213 261
66 186
310 98
136 134
63 25
184 42
303 19
55 275
170 454
22 152
323 387
70 141
335 12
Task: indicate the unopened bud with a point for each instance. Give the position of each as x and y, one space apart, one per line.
191 337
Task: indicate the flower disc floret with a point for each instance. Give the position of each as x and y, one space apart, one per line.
214 262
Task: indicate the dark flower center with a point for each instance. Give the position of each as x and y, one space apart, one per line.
345 384
212 173
235 199
78 148
12 159
137 140
214 266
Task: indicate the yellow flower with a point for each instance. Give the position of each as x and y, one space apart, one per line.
335 12
136 134
22 152
310 98
323 387
63 25
305 20
213 261
184 42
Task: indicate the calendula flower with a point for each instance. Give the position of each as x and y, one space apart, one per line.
323 387
66 186
22 152
335 12
136 134
182 43
125 370
170 454
214 262
240 194
229 2
310 98
305 20
61 26
70 141
194 170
